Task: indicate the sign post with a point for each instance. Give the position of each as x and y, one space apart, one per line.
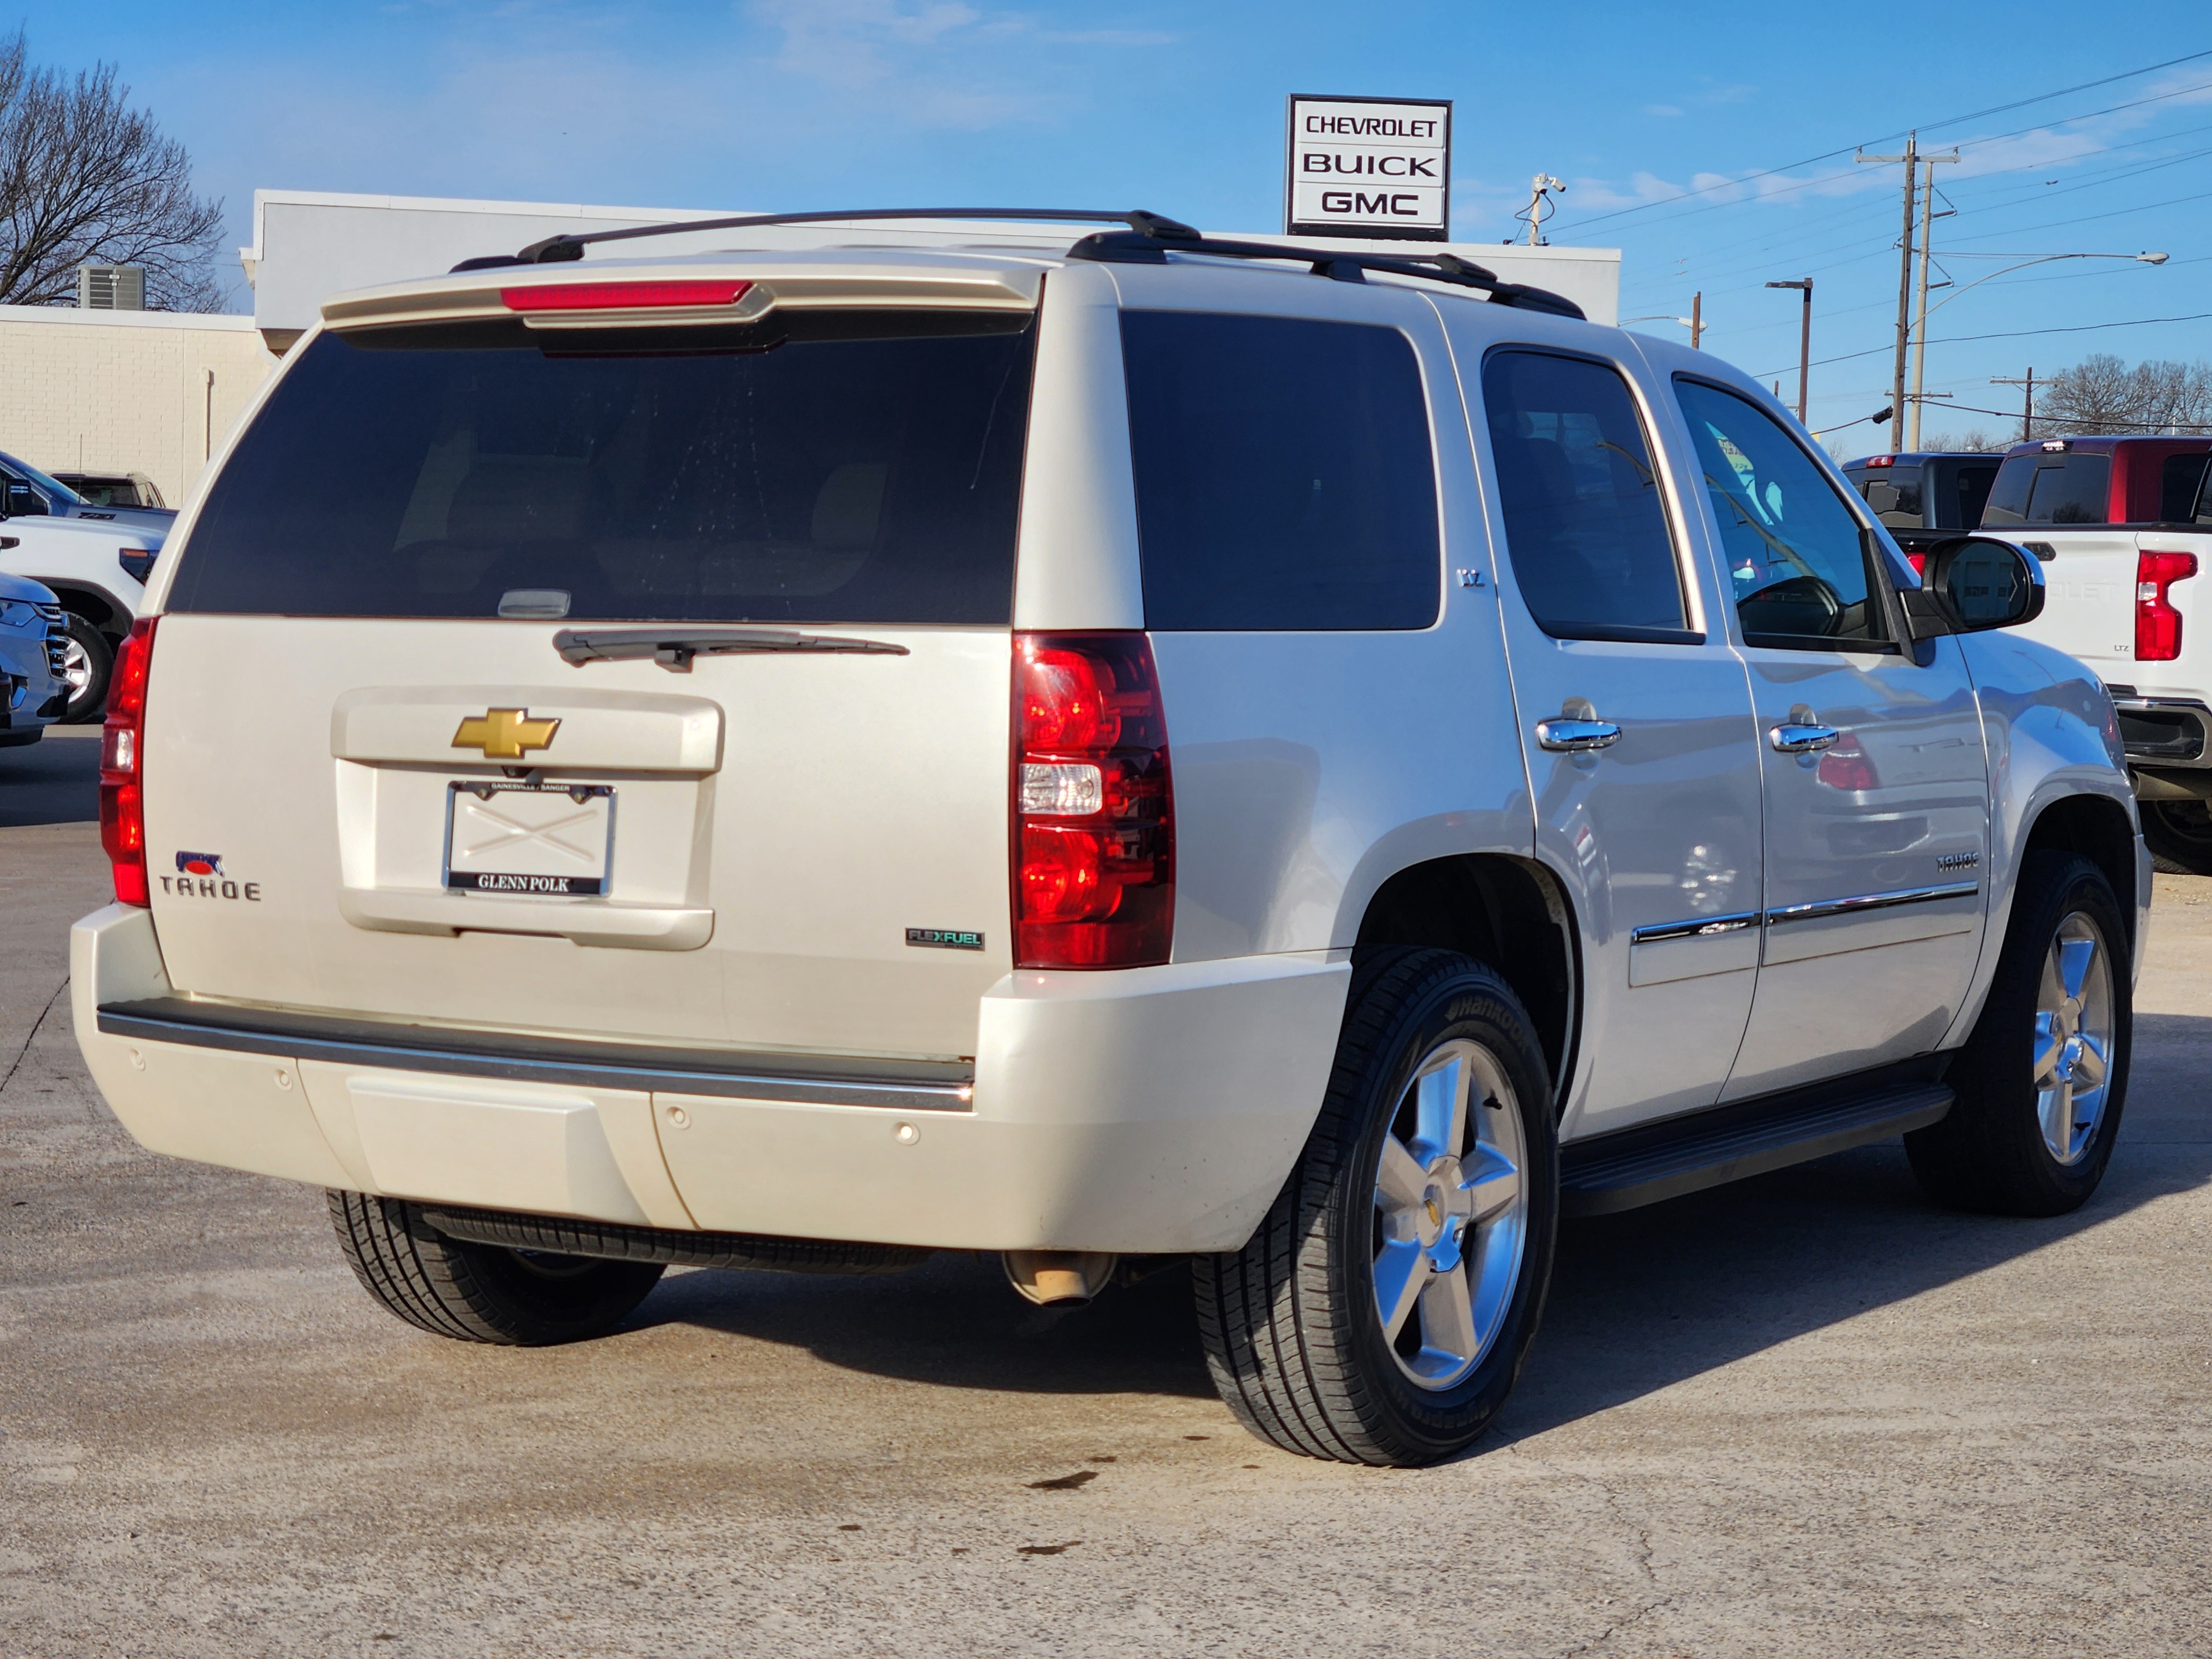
1375 167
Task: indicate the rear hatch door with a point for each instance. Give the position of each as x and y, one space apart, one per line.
617 674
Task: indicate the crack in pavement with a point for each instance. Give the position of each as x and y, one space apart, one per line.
32 1035
1643 1558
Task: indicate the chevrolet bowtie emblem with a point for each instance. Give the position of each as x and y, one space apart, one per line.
505 733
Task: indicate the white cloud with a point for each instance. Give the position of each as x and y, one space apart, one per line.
1662 109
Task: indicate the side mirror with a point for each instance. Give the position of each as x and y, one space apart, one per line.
1971 583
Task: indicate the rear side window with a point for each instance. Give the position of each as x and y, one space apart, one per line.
1284 474
1585 528
850 467
2180 482
2063 489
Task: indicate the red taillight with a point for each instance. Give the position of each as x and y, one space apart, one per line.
623 296
1881 460
2158 624
1919 563
122 765
1094 816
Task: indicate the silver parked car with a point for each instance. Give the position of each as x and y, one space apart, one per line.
1316 763
34 688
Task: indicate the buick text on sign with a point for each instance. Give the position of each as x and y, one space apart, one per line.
1369 167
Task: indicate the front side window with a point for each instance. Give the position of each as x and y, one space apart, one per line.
1585 528
1284 474
1800 567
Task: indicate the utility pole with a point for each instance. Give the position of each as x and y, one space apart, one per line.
2027 410
1920 328
1804 340
1697 317
1911 160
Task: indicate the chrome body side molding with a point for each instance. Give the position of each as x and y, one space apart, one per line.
1862 903
1713 927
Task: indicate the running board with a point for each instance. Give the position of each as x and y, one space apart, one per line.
1644 1165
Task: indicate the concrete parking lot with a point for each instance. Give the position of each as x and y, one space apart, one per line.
1806 1415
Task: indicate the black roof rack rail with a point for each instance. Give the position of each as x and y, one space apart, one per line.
1136 247
1155 227
1147 242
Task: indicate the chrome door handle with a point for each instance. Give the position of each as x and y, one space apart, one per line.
1793 740
1573 737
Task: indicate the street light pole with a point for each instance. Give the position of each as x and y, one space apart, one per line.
1804 339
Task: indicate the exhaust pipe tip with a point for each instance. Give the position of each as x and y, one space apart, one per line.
1051 1278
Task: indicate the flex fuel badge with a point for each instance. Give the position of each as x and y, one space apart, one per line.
945 938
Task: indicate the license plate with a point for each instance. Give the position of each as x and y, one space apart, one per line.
540 841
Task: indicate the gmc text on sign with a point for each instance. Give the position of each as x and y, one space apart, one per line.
1369 167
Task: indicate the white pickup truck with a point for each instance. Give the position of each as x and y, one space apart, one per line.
2124 528
98 572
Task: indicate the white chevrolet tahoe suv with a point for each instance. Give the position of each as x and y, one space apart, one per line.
1319 763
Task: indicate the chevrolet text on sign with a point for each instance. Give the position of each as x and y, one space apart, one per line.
1369 167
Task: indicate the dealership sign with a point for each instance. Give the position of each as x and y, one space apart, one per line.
1369 167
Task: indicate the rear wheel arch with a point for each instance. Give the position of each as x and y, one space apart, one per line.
1509 913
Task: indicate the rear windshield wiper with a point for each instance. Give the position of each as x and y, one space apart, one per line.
674 648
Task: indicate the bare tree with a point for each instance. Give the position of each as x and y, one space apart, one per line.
2102 394
85 177
1977 441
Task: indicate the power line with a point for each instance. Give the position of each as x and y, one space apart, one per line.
1950 121
2086 219
2007 334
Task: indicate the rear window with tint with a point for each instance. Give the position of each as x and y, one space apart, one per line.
1960 507
1284 474
1892 492
2046 488
861 467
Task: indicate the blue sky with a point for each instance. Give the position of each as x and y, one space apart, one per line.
782 104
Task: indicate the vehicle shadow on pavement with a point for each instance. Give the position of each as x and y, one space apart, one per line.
1638 1302
955 1322
53 780
1642 1301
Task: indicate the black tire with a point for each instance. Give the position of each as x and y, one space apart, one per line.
1291 1323
2180 835
1989 1153
482 1292
87 701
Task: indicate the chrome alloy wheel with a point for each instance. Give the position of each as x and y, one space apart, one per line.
77 668
2074 1030
1452 1214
